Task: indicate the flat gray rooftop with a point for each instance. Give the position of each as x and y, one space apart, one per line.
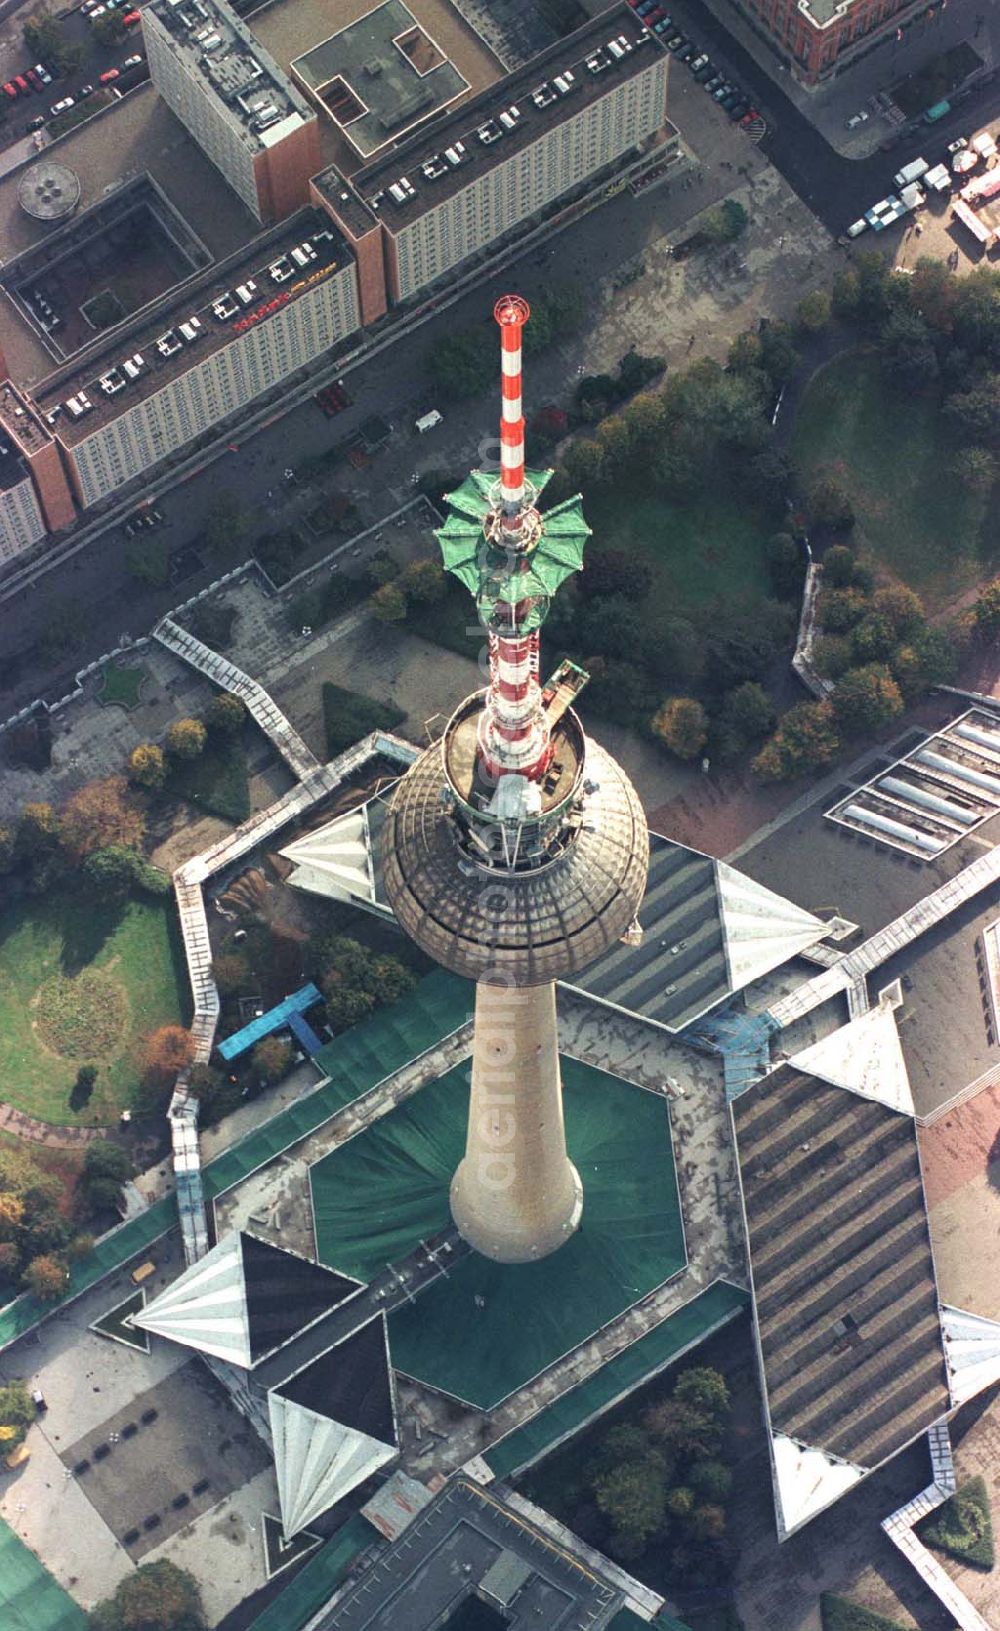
843 1277
482 113
453 1544
387 73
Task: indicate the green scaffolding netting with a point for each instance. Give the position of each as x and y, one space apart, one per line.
486 1328
354 1062
690 1325
30 1600
315 1582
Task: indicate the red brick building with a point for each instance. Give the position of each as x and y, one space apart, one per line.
817 38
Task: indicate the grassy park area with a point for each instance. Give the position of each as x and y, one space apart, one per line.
702 552
913 516
79 985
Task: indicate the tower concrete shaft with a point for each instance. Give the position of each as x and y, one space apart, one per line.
516 1196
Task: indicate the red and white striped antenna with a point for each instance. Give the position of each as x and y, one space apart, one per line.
511 312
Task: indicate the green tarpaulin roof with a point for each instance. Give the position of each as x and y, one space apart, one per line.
30 1600
486 1328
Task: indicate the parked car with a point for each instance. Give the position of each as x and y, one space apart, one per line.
95 12
110 75
724 90
957 145
738 109
43 73
731 98
686 52
10 89
857 227
855 120
710 71
749 118
63 106
84 92
699 62
22 84
33 79
36 123
131 18
663 25
676 42
135 61
712 83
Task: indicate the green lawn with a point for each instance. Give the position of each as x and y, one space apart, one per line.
216 781
135 951
914 518
121 685
709 550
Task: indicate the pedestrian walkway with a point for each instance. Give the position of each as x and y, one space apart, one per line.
262 708
54 1137
899 1527
886 942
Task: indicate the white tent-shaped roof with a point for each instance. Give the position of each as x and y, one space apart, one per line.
971 1351
761 930
864 1056
336 859
206 1307
806 1481
333 1424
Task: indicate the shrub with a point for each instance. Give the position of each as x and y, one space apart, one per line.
963 1526
186 738
270 1060
230 972
841 1615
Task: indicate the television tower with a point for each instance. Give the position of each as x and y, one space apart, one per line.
515 851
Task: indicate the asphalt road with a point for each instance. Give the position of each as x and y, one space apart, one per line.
836 189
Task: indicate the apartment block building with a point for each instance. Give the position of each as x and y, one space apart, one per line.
818 38
472 178
122 414
244 113
21 521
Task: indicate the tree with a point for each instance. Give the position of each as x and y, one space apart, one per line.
390 979
108 872
704 1389
100 814
872 639
382 568
154 1597
724 222
838 566
610 627
767 478
975 414
683 1430
108 30
217 1096
682 724
616 572
778 354
829 503
806 740
46 42
147 766
645 417
270 1060
8 848
866 699
633 1498
16 1413
747 715
841 609
583 461
812 314
104 1159
37 830
785 564
986 612
549 425
463 364
83 1087
615 442
46 1277
225 715
389 604
230 972
424 582
712 1480
976 469
168 1050
908 356
902 609
186 738
832 655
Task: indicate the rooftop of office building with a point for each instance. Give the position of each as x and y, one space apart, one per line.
263 103
184 328
380 75
556 85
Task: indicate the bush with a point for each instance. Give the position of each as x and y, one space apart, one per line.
841 1615
963 1526
186 738
724 222
348 717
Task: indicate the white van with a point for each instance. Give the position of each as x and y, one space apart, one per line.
910 172
428 421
